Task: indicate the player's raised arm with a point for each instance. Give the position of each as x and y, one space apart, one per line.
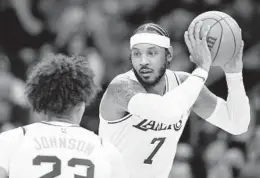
232 115
125 95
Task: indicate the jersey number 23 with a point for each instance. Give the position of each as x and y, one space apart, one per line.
56 169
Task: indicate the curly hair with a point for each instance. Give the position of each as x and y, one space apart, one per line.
59 82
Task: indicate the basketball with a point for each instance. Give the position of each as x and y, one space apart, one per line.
224 38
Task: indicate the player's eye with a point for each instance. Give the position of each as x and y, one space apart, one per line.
136 53
151 53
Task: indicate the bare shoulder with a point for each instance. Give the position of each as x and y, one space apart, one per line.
122 89
117 96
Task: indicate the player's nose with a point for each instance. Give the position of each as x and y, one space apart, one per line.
144 60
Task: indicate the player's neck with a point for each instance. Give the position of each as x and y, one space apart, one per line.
62 118
158 88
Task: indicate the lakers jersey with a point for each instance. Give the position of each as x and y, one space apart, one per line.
148 147
55 149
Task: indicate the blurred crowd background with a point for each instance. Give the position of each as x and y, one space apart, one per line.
100 30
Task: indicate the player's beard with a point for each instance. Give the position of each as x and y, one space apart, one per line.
148 84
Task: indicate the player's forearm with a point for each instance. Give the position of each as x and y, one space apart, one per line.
173 104
237 102
233 115
184 96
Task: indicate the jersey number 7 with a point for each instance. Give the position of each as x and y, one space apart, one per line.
56 170
160 141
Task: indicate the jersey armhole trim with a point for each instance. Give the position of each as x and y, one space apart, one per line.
115 121
167 83
101 141
24 130
177 78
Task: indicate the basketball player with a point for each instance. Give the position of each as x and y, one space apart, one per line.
59 87
143 111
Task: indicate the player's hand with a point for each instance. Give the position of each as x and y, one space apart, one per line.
198 48
235 65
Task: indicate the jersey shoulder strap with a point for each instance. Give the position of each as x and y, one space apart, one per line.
24 130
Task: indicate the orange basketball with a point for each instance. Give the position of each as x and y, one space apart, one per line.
224 38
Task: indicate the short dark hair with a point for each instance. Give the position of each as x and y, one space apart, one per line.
152 27
59 82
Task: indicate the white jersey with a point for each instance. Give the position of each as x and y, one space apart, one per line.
148 147
57 149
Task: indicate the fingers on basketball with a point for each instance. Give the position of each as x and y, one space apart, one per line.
187 41
223 38
191 33
242 46
197 30
205 32
191 58
240 52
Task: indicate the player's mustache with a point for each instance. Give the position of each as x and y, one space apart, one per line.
145 69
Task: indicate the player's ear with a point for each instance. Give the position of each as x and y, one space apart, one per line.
169 54
130 58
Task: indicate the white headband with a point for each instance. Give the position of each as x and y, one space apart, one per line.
150 38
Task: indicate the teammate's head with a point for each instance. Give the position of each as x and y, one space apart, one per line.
151 53
61 85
